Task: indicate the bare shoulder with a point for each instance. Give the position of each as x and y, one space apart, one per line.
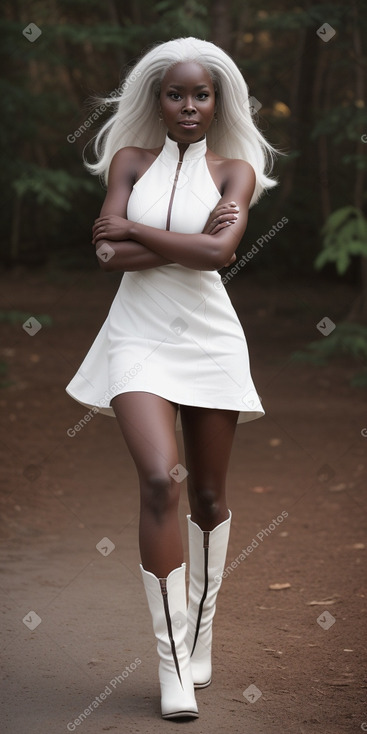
133 161
228 172
233 166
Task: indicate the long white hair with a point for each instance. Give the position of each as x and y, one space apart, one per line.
136 120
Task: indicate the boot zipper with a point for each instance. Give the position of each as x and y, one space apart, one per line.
163 584
206 535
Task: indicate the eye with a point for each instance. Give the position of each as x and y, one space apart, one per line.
203 95
174 95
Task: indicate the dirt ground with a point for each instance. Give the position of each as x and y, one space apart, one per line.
300 646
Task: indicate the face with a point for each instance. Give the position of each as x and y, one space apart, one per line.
187 101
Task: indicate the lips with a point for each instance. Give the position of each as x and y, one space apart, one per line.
188 123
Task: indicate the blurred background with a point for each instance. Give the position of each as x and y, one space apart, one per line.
67 481
304 64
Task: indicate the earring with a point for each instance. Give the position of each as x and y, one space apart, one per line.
215 117
160 118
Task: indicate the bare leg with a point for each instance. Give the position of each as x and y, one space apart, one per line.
148 422
208 437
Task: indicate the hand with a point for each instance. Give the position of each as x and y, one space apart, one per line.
222 216
110 227
231 261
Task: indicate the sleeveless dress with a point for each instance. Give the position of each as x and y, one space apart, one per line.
171 330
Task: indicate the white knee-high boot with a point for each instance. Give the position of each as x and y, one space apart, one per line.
208 549
167 604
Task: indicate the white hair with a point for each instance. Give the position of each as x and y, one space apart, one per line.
136 120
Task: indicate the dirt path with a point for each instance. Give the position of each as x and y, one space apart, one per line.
63 494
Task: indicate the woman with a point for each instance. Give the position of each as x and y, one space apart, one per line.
184 162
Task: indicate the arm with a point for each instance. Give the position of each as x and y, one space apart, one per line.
132 255
197 251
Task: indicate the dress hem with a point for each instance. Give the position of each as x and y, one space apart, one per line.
245 416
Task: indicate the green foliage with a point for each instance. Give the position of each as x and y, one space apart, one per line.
341 123
344 236
86 46
19 317
56 188
347 339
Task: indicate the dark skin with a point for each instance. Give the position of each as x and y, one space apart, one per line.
147 421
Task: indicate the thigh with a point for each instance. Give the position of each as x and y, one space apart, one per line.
148 424
208 436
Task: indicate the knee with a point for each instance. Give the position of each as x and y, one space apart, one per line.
208 500
159 495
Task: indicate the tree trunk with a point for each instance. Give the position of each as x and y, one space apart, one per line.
221 32
358 311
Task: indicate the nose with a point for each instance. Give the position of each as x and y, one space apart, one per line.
188 106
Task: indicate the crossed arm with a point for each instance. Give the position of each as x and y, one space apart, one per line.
138 247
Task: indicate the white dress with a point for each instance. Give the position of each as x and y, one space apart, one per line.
171 330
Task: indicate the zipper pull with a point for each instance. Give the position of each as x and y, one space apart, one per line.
206 538
163 583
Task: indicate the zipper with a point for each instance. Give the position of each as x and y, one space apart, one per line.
178 169
163 584
206 535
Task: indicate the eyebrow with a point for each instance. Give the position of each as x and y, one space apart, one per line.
180 86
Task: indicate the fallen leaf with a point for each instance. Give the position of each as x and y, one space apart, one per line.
338 487
275 441
321 603
279 587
